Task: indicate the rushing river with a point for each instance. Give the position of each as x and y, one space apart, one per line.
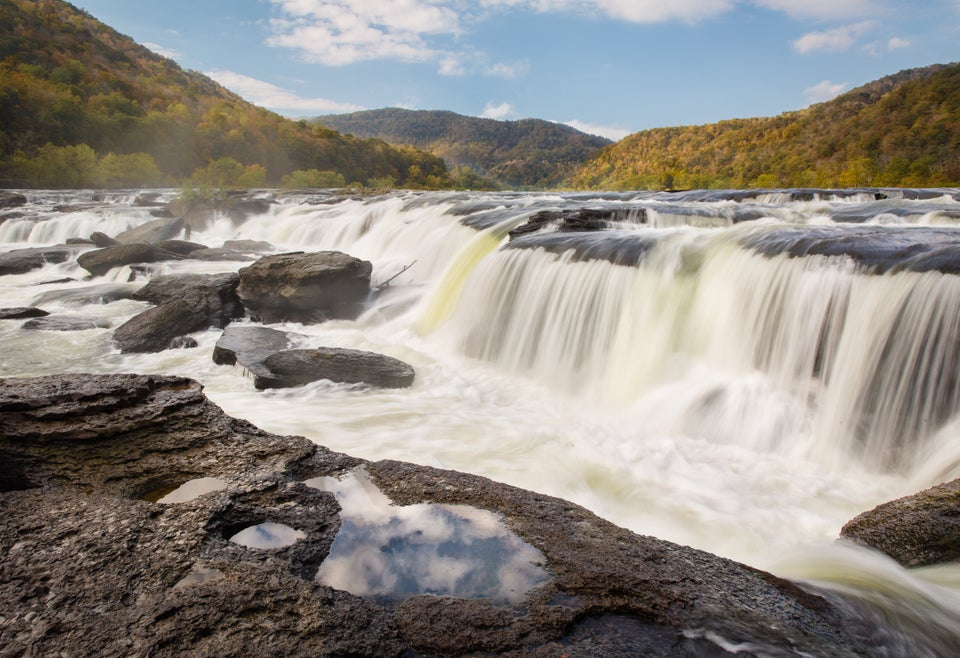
738 372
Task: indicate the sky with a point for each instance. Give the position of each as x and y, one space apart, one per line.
607 67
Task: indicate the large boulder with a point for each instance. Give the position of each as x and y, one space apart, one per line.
305 287
101 261
215 293
153 231
297 367
186 303
20 261
916 531
94 565
155 329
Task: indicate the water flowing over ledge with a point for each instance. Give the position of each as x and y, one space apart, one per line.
738 371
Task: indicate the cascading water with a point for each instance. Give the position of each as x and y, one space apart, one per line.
733 371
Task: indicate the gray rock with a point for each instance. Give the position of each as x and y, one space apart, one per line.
155 329
216 294
297 367
249 346
222 255
21 312
65 323
305 287
248 246
152 232
181 247
102 240
916 531
92 567
101 261
20 261
96 294
11 200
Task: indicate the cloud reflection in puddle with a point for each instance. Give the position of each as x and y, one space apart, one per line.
268 535
394 552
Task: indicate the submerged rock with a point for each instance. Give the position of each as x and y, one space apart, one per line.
20 261
101 261
22 312
305 287
297 367
91 566
152 232
65 323
11 200
916 531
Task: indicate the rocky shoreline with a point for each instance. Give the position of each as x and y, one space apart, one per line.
93 565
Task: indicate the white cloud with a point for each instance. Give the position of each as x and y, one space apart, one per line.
896 43
616 134
508 71
452 65
339 32
499 112
839 38
161 50
276 98
824 91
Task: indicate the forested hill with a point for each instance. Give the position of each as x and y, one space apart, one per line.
902 130
81 105
530 153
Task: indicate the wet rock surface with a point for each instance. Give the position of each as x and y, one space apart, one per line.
93 567
101 261
305 287
918 530
65 323
186 303
248 346
20 261
297 367
22 312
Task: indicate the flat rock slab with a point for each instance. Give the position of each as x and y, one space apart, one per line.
101 261
297 367
305 287
21 312
20 261
917 530
93 567
66 323
249 346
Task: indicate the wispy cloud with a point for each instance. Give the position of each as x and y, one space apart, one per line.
276 98
837 39
161 50
499 112
896 43
616 134
343 32
508 71
824 91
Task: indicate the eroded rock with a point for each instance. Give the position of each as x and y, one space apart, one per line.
305 287
20 261
917 530
91 566
297 367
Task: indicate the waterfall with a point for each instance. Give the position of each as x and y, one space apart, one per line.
859 366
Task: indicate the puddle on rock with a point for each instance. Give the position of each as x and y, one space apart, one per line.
268 535
192 489
393 552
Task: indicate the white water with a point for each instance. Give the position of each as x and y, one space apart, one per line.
744 405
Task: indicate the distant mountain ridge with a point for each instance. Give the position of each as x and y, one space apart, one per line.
82 105
529 153
901 130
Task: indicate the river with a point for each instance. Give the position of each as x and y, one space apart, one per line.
737 371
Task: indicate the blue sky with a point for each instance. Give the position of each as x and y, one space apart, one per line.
608 67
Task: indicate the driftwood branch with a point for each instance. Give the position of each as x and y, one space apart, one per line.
386 283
